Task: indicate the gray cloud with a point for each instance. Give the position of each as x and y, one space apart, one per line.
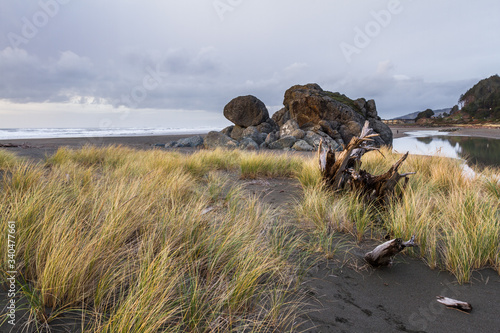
159 55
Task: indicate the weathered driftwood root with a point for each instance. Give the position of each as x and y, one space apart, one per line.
453 303
344 171
382 255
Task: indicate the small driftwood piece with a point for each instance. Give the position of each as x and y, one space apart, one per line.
454 304
11 145
382 255
344 171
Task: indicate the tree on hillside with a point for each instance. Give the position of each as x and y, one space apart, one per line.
425 114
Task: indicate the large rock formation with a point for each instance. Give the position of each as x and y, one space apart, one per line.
310 115
313 108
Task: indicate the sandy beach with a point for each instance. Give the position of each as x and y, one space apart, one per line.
344 294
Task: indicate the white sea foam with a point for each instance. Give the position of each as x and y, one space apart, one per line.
49 133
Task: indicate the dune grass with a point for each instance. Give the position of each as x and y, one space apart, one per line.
152 241
455 217
156 241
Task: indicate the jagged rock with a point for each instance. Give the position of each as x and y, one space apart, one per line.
281 117
252 133
246 111
248 144
228 130
302 145
237 133
286 142
309 105
216 139
264 145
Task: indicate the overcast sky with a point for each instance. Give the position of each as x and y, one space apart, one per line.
166 63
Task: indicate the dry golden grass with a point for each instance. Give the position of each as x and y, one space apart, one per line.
147 241
455 217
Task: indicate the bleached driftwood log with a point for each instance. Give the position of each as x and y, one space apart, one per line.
382 255
453 303
344 171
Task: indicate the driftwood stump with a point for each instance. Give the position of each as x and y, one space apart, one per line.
343 172
382 255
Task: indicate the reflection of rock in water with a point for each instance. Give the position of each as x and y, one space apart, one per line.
480 151
425 139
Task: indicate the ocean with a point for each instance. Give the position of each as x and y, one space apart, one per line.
50 133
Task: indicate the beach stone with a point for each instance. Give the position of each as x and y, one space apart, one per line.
237 133
286 142
313 139
267 127
252 133
193 142
217 139
246 111
248 144
349 130
287 128
271 137
228 130
281 117
302 145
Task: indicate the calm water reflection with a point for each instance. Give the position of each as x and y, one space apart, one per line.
478 151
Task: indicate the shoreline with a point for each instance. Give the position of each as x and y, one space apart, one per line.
38 149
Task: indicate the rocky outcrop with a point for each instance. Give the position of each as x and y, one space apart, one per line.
310 115
309 105
246 111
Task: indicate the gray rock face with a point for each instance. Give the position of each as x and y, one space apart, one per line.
349 130
281 117
192 142
252 133
228 130
283 143
237 133
288 127
216 139
267 127
271 137
246 111
385 133
302 145
248 144
313 140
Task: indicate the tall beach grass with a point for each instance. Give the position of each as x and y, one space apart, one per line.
148 241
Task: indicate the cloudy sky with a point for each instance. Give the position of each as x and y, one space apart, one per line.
166 63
